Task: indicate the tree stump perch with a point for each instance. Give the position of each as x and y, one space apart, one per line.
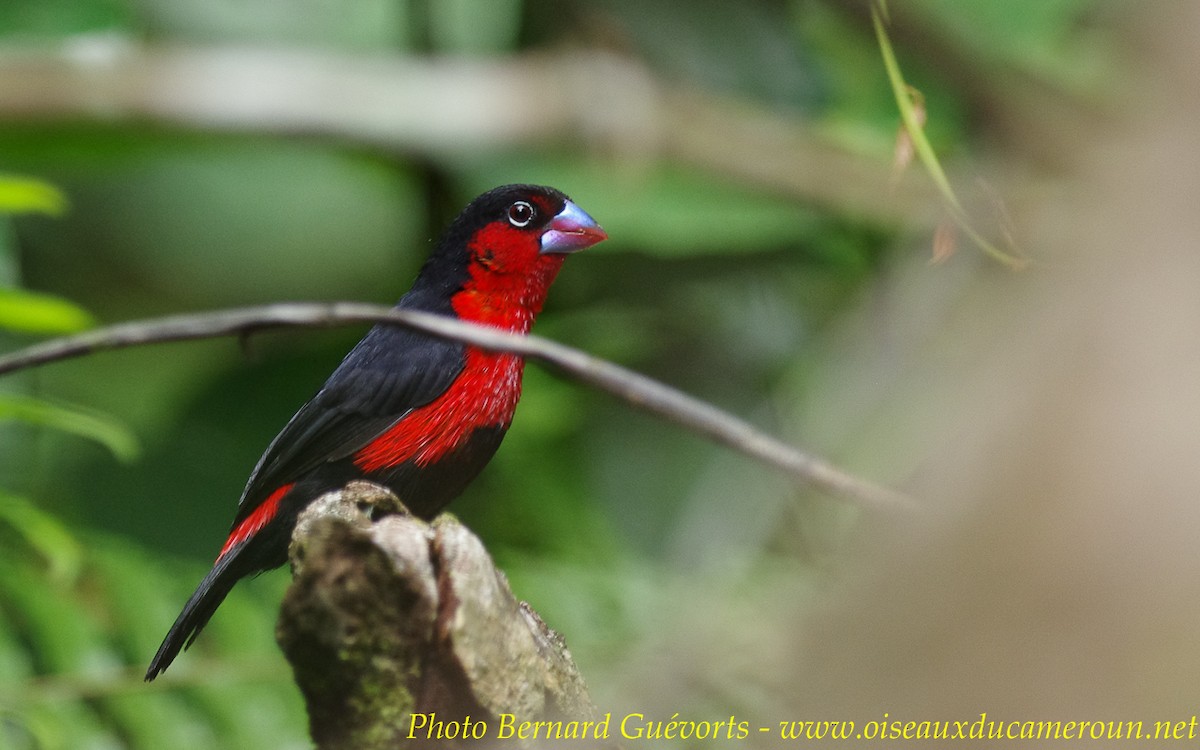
389 616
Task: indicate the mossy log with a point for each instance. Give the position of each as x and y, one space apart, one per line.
390 617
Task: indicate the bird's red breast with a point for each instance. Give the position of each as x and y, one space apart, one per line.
508 279
484 395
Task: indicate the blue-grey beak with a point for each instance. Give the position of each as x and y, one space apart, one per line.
571 230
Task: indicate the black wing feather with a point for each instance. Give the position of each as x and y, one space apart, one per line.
388 374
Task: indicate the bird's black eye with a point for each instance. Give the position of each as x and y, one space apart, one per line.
520 214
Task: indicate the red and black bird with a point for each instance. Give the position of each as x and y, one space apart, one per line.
418 414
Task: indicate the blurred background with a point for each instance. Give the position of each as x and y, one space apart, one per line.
770 252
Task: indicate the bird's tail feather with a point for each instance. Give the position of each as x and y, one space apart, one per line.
196 613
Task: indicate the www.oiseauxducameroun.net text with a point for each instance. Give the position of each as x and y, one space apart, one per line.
984 728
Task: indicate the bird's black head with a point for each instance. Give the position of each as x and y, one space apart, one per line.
508 231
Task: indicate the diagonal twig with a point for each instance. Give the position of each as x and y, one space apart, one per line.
632 388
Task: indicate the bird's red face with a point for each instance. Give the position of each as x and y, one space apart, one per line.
515 255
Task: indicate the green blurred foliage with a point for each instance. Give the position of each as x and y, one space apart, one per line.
55 19
677 37
29 312
1036 36
601 515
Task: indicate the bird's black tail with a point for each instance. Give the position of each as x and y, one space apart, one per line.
196 613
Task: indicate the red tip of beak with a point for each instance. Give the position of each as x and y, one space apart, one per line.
571 230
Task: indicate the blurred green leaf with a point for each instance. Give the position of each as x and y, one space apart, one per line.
350 25
54 19
743 47
64 636
61 726
64 648
1047 38
45 534
145 596
218 221
31 312
15 662
77 421
474 26
19 195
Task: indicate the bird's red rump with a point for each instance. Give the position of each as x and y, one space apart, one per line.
484 395
252 523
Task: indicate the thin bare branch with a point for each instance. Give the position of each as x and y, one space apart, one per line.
634 389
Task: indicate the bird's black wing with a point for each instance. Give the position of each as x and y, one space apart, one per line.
389 373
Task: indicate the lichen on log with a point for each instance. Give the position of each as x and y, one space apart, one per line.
390 616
